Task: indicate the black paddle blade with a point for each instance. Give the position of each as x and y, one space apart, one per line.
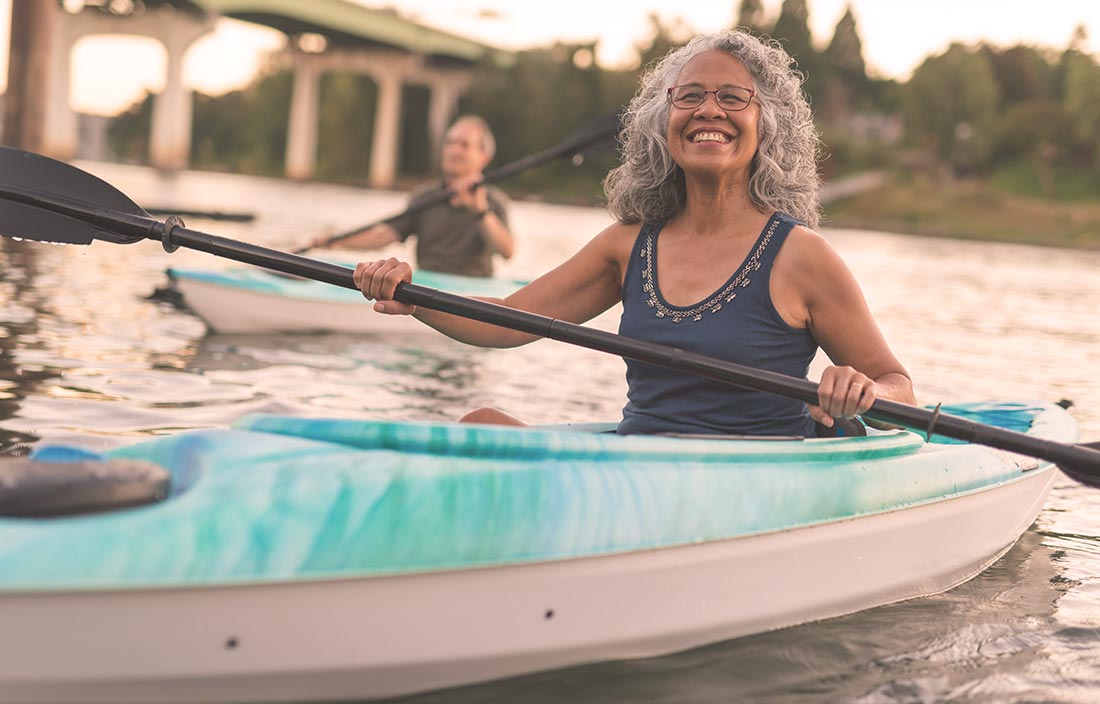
28 180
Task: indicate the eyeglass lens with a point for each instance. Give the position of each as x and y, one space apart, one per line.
728 98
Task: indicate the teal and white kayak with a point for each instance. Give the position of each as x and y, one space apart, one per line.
247 300
310 560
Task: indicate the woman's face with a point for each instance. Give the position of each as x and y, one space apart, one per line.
707 139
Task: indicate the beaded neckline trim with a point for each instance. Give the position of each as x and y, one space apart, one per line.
715 303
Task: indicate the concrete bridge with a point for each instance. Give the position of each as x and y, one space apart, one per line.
322 35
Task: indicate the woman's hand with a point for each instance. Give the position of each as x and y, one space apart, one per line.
843 393
378 281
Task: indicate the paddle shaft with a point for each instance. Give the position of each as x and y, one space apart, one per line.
932 422
570 146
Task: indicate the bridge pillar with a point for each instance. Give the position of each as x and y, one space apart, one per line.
387 132
301 138
170 142
32 34
388 69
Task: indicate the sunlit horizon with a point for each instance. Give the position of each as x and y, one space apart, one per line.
111 73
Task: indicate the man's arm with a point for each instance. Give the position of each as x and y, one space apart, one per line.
372 238
500 238
472 193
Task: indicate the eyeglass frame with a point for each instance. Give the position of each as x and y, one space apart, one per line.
752 94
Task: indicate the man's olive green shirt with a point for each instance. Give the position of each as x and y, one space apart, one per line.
449 239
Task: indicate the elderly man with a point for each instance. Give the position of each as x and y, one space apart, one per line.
459 236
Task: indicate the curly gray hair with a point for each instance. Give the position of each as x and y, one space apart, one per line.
649 186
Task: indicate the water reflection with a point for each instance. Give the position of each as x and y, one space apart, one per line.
973 320
421 377
19 311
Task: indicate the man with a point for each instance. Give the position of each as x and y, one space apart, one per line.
461 235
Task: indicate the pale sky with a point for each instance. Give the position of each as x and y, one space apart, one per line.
110 73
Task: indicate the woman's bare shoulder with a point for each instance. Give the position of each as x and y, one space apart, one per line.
809 249
621 230
617 239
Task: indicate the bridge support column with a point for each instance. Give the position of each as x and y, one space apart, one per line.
170 141
446 89
387 132
390 71
33 27
301 139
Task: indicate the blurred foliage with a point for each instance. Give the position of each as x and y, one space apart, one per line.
244 130
344 125
951 105
752 16
792 30
1081 100
1024 119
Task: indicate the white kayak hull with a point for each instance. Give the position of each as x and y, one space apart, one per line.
254 302
234 311
359 638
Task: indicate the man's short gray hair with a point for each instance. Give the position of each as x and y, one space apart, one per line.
488 142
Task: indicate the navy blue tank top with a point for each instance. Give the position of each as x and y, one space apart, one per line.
738 323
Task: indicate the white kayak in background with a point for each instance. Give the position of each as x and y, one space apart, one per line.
248 300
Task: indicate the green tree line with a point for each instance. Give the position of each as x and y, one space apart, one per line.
1024 116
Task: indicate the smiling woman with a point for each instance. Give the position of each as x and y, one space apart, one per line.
715 197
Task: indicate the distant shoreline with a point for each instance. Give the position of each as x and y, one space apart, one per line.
968 210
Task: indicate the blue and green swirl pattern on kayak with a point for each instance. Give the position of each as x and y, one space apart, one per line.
277 498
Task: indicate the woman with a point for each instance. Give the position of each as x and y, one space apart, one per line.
712 252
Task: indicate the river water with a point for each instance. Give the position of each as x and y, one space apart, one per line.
85 358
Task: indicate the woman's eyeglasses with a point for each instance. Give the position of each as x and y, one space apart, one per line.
689 97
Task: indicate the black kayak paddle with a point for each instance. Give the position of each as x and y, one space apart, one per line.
50 201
